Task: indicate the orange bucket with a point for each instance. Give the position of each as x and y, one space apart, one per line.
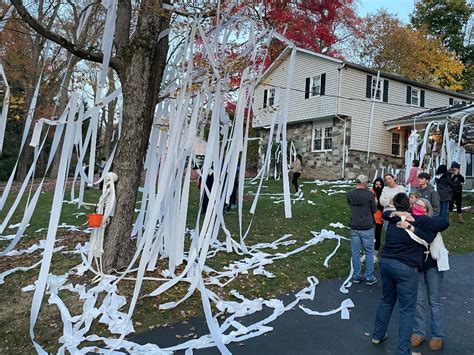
95 220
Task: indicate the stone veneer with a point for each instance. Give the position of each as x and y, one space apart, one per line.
327 165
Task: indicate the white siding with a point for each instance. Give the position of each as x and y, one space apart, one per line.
299 108
355 104
352 101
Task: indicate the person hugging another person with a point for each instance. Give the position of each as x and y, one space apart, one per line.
412 179
457 180
400 260
429 289
390 189
444 188
377 188
362 204
297 169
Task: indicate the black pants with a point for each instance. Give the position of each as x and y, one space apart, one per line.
378 235
457 198
294 181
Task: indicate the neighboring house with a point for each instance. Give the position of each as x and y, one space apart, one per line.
330 108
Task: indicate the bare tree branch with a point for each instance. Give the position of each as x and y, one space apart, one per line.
60 40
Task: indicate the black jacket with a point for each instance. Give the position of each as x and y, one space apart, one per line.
398 244
457 181
363 207
444 187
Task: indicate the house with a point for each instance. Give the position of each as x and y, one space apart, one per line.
337 110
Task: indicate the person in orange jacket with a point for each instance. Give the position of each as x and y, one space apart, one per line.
377 188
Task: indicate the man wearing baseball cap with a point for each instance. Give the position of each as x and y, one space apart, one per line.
457 179
363 205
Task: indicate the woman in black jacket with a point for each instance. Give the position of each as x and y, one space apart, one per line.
444 188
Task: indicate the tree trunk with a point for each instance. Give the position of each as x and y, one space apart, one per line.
109 124
141 80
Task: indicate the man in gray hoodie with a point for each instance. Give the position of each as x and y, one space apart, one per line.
363 205
427 191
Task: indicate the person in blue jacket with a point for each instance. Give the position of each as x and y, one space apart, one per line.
400 260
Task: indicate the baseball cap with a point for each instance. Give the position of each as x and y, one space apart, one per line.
362 179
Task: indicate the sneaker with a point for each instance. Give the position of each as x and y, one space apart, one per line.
371 281
416 340
357 280
436 343
379 341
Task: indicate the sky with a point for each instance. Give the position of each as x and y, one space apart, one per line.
401 7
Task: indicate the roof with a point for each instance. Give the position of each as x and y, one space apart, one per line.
286 52
438 113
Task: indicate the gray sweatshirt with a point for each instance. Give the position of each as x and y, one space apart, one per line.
363 207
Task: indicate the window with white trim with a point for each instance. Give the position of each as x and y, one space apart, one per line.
415 96
322 138
271 97
378 93
396 144
315 85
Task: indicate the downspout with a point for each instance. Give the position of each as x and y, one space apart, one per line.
374 94
339 89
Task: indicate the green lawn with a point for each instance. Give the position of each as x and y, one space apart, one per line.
269 224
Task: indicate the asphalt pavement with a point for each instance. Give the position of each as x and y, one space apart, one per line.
295 332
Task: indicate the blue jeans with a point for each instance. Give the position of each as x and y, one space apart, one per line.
430 288
444 210
399 282
364 238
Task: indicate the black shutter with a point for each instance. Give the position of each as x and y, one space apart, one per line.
451 101
408 94
323 84
368 88
306 90
265 93
385 91
422 98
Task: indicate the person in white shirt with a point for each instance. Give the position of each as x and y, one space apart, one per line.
390 189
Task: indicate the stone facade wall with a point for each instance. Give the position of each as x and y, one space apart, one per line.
327 165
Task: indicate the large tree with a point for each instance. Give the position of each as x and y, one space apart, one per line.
139 61
444 19
391 46
318 25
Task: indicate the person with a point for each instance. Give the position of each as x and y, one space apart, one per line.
429 288
297 169
207 189
424 168
412 179
413 196
377 188
457 180
390 189
444 188
362 204
400 259
427 191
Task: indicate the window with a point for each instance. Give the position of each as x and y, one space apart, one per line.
415 96
271 97
378 94
322 138
316 85
395 143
